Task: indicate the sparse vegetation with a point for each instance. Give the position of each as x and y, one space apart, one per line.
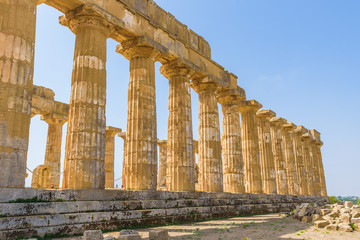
28 200
333 200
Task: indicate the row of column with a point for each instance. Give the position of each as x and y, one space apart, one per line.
242 168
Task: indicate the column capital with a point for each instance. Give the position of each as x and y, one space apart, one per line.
265 114
277 122
289 127
86 15
195 146
54 118
300 130
176 68
112 131
315 134
141 47
122 135
161 143
204 85
231 96
306 137
249 106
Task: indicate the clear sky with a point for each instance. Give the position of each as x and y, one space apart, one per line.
299 58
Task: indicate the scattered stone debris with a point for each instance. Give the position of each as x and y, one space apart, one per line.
337 217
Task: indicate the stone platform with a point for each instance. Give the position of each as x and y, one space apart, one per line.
74 211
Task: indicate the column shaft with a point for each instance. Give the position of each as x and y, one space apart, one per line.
315 167
277 146
266 153
321 170
250 146
299 159
289 155
308 164
210 165
17 42
85 142
162 164
110 134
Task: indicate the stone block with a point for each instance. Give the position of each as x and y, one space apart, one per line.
355 214
284 214
345 218
159 234
355 220
348 204
316 217
345 227
321 223
129 235
93 235
324 212
306 219
332 227
109 238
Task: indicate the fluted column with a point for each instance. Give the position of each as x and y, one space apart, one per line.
266 153
315 162
210 165
162 164
289 155
140 165
317 151
250 146
233 173
276 124
53 148
299 159
110 134
85 141
308 164
17 42
123 136
180 162
196 166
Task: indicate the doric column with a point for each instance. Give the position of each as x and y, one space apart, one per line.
233 174
140 165
53 148
266 153
123 136
162 164
180 161
315 164
17 42
110 134
276 124
321 173
306 138
250 146
85 141
196 166
289 155
210 165
299 158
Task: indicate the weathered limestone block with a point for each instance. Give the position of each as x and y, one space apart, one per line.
319 143
210 165
250 146
266 154
140 164
162 164
306 138
129 235
110 134
159 234
233 172
85 142
180 158
276 124
41 177
321 223
53 147
17 41
299 159
93 235
289 155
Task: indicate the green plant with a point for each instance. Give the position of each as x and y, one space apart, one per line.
333 200
28 200
358 202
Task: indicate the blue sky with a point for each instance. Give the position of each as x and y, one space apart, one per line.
299 58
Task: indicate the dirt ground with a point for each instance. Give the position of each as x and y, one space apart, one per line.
267 227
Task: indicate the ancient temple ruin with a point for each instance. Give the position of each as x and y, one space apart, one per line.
258 153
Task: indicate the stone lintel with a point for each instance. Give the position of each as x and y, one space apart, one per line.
265 113
38 2
289 126
43 92
250 105
300 130
277 121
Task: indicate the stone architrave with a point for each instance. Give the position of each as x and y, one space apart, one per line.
110 134
17 43
299 159
308 164
180 174
276 124
53 148
123 136
266 152
85 141
162 164
210 164
289 155
250 146
140 164
321 173
233 173
315 164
